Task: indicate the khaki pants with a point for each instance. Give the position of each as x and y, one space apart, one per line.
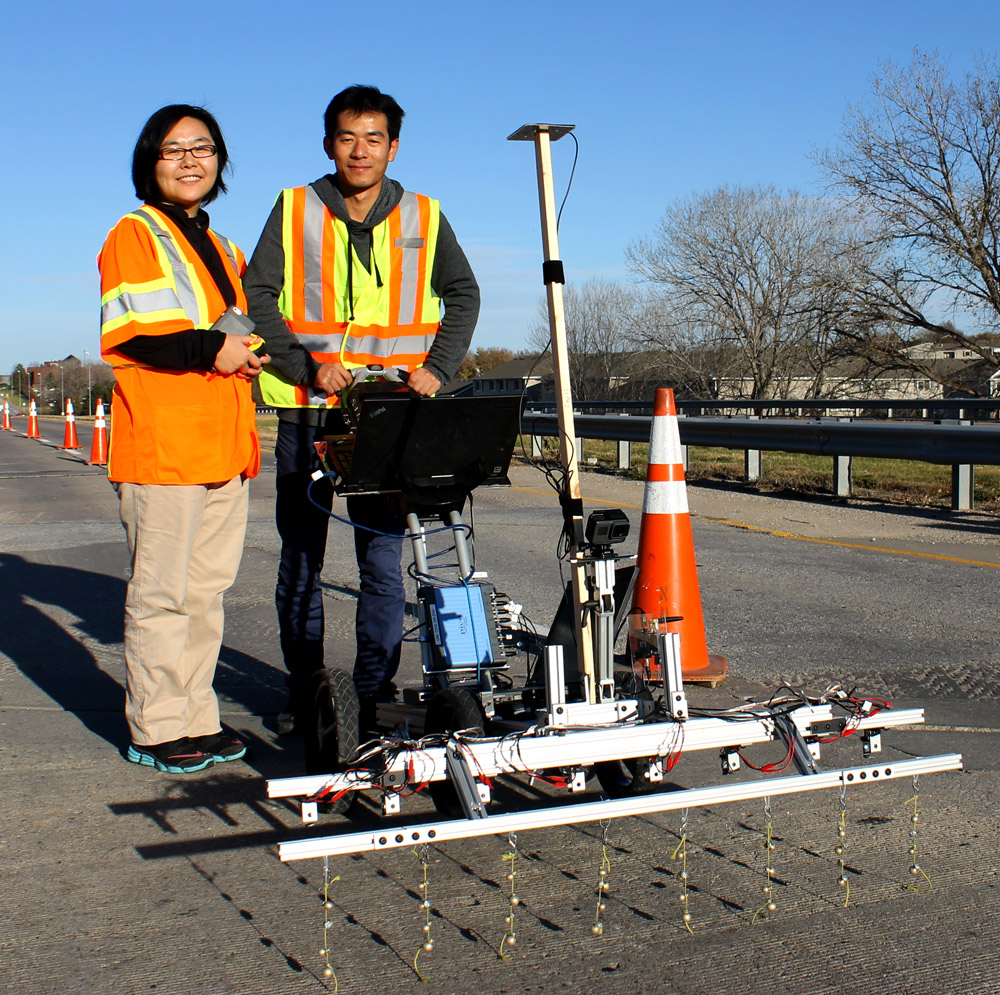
185 544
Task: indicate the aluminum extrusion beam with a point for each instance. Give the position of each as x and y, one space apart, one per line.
572 814
510 755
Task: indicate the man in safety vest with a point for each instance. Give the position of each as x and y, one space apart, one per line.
350 271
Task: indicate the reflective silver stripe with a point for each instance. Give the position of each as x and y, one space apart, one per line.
143 303
665 440
314 217
665 497
409 228
113 309
320 343
182 278
227 247
371 345
314 397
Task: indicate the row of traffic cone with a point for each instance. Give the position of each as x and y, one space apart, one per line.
98 448
666 591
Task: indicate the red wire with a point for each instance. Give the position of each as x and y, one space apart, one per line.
772 768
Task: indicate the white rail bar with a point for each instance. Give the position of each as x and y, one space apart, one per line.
523 754
570 814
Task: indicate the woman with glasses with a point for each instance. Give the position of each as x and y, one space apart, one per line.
183 435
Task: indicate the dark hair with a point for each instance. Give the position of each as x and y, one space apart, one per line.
360 99
147 150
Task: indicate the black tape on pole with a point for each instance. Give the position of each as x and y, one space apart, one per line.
552 272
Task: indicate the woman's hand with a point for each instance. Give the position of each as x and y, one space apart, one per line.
235 356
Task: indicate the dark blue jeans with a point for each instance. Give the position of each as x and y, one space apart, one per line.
298 595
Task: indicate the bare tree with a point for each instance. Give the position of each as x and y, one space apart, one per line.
601 317
753 279
921 160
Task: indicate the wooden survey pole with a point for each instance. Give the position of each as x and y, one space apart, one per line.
552 271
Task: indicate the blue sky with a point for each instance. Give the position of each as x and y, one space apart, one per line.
668 98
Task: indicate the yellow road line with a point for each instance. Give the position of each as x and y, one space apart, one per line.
791 535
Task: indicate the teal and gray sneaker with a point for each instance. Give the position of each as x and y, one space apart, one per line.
179 756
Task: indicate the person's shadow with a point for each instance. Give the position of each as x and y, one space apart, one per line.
62 626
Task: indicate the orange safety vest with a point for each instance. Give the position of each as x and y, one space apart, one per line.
394 314
170 426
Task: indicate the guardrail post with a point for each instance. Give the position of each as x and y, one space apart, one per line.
843 476
536 447
752 459
963 481
624 450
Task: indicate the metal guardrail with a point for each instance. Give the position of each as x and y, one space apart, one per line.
960 446
930 407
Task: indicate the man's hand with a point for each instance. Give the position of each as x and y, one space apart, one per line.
423 382
331 377
235 356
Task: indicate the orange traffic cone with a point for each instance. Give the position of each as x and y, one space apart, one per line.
70 439
99 447
33 432
667 583
7 427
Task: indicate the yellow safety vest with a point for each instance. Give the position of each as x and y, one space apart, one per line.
394 314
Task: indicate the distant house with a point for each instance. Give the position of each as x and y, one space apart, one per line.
951 350
530 375
858 380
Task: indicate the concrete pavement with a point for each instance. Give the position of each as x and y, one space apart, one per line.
120 879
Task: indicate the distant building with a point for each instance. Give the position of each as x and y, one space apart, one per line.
529 374
951 350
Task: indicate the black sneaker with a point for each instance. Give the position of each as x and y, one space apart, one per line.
179 756
286 721
220 746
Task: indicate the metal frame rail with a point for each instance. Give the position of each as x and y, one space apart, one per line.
469 762
414 835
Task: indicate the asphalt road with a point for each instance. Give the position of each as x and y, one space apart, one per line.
119 879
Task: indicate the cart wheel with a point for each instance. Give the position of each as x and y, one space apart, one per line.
332 736
451 710
621 778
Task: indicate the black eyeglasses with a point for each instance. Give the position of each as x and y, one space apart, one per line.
198 151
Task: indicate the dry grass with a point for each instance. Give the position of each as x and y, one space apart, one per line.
267 427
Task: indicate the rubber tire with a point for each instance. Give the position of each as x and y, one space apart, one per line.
451 710
332 730
624 778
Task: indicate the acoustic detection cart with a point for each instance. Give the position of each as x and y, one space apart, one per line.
580 709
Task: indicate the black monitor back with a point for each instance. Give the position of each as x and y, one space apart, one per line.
432 450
